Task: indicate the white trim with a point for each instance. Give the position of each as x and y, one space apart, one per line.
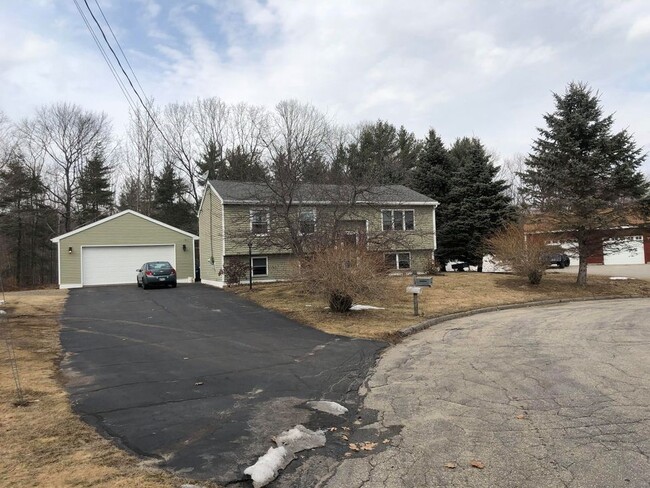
208 187
329 202
256 281
216 284
70 285
81 255
435 231
58 258
268 220
124 212
392 219
267 265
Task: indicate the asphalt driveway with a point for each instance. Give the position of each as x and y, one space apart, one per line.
199 377
557 396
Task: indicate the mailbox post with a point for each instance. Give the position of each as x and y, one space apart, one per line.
416 290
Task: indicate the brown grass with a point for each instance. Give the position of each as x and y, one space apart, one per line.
45 443
452 292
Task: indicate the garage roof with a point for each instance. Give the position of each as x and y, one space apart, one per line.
124 212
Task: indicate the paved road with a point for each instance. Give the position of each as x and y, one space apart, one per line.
200 377
638 271
544 397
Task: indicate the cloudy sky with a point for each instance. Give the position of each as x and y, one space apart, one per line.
464 67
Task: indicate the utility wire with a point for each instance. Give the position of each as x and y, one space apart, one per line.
144 105
106 58
119 45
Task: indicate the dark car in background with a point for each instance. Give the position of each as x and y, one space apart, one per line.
560 260
156 273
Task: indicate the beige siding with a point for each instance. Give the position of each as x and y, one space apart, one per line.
127 229
237 220
211 237
280 266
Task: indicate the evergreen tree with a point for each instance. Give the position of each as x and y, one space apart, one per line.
170 205
582 175
409 149
476 203
25 224
242 166
212 164
95 195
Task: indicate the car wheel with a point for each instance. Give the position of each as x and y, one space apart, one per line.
144 285
138 282
560 265
174 285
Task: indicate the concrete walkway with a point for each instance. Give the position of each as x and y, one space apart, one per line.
557 396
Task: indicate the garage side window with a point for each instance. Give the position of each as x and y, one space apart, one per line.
259 221
260 266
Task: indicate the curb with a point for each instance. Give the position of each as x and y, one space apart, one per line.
408 331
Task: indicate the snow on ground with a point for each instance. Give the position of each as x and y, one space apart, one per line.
328 407
289 442
620 278
365 307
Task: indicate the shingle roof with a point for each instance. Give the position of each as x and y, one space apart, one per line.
247 192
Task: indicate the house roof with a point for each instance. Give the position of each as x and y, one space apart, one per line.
124 212
239 192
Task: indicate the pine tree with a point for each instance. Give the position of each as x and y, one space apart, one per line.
95 195
582 175
170 205
242 166
476 203
212 164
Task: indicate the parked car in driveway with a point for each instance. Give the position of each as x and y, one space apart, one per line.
156 273
561 260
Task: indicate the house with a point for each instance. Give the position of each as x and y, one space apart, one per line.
394 220
109 251
624 244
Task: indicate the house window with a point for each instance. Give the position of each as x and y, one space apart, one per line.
397 220
307 220
260 222
398 260
260 266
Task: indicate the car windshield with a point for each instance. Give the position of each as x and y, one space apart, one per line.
160 265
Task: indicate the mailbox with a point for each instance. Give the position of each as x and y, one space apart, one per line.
416 290
423 282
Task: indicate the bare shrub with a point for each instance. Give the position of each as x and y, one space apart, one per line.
524 256
234 271
343 275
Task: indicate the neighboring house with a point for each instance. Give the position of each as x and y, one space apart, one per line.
109 251
234 214
628 244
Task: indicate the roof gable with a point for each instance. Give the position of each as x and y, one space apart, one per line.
120 214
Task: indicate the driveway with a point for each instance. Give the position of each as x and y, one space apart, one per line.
637 271
198 377
543 397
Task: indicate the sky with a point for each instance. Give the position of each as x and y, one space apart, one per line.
484 68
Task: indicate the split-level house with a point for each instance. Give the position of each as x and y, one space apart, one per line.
243 220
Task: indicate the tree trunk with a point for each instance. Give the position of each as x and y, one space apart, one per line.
582 266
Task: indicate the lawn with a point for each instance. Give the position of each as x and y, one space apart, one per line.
44 443
451 292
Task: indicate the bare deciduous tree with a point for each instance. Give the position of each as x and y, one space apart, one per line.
523 255
68 135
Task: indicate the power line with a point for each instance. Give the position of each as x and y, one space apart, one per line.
105 56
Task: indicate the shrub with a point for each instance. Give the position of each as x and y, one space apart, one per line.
234 271
343 275
524 256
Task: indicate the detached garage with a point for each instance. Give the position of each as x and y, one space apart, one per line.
109 251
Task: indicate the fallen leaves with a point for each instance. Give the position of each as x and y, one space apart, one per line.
450 465
477 464
362 446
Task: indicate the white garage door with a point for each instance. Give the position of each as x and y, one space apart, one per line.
628 250
112 265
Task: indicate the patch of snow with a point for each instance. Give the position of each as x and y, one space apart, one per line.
188 485
289 442
328 407
267 466
620 278
2 312
300 438
365 307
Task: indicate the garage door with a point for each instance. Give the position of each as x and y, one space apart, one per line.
628 250
112 265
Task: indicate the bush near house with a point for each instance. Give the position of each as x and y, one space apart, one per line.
524 257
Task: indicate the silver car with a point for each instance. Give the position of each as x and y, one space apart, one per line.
156 273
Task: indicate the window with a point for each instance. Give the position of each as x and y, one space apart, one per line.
260 222
260 266
397 220
398 260
307 220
